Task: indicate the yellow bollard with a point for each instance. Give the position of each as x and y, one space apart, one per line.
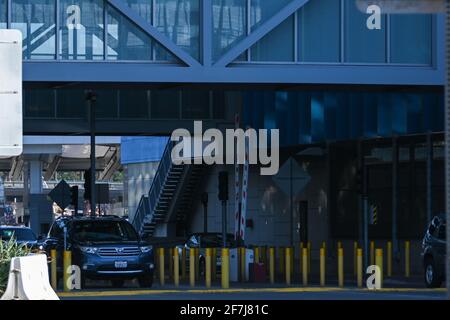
407 259
359 263
288 259
243 264
170 259
272 265
341 267
324 246
54 277
322 266
176 267
372 253
379 263
192 254
256 253
67 262
197 264
355 257
339 245
309 257
389 259
281 256
305 266
161 267
208 265
300 250
225 268
214 265
183 264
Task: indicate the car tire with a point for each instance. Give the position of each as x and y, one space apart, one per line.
146 281
117 283
431 277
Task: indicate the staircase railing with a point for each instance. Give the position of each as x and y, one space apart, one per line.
149 202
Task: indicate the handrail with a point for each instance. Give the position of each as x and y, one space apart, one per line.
155 189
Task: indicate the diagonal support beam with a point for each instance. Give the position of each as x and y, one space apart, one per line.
124 9
260 32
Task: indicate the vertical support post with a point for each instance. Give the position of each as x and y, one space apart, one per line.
53 278
341 267
176 267
355 257
161 267
208 265
305 266
407 259
300 250
272 265
225 268
394 193
192 267
67 262
365 212
322 266
429 177
288 265
92 98
359 276
256 254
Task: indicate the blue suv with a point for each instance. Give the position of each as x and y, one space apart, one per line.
104 247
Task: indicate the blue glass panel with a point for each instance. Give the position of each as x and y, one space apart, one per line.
229 23
319 31
107 104
3 14
125 40
317 117
361 44
85 41
142 7
262 10
195 104
133 104
36 21
278 45
165 104
71 103
179 20
411 38
39 103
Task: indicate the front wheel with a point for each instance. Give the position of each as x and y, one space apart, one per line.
432 278
146 281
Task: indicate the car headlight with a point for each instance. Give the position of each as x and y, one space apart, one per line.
146 249
91 250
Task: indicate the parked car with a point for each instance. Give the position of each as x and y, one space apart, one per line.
433 252
21 234
203 241
105 247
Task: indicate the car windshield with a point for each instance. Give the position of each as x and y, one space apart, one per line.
18 234
103 231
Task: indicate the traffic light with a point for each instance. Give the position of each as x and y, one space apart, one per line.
87 184
74 196
223 186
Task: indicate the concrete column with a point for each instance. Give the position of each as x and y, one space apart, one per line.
35 172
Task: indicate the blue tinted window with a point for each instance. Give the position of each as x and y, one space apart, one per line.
278 45
125 40
165 104
133 103
2 14
106 105
85 41
319 31
263 10
411 38
195 104
142 7
71 103
361 44
36 21
39 103
179 20
229 23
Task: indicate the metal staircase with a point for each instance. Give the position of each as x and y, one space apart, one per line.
170 197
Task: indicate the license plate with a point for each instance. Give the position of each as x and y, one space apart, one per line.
121 264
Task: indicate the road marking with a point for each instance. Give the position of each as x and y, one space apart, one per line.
230 291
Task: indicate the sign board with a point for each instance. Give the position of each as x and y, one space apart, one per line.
11 139
61 194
